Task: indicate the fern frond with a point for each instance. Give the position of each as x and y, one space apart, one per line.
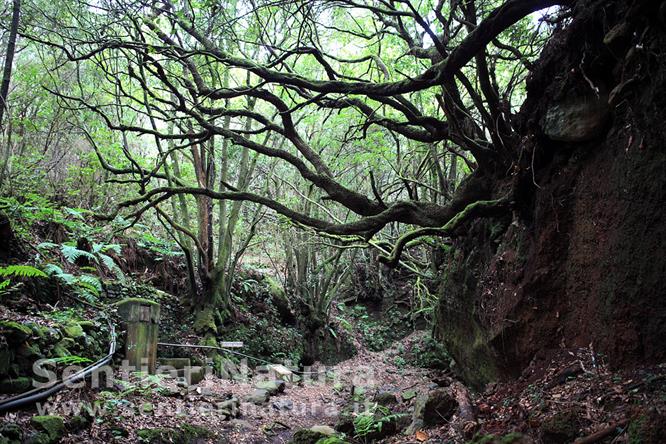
52 269
92 281
21 271
73 253
104 248
88 288
111 265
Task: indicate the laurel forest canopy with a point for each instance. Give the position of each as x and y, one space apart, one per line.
374 124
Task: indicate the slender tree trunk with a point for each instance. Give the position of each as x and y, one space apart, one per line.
6 77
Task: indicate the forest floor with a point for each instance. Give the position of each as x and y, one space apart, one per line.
568 396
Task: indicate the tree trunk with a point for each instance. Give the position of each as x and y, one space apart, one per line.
6 78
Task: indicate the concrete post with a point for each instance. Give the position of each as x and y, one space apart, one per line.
142 320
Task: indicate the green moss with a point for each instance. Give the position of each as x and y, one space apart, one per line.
73 330
16 385
77 423
151 435
307 436
331 440
274 287
16 330
209 340
39 330
191 432
563 426
53 426
511 438
186 433
135 300
205 321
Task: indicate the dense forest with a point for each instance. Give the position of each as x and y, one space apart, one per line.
333 221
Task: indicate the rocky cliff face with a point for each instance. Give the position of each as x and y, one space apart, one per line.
582 261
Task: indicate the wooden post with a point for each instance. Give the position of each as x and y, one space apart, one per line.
142 318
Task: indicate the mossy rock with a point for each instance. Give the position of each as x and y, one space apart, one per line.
307 436
204 321
563 427
436 407
78 423
73 330
15 331
10 433
15 385
271 387
186 433
191 432
61 349
53 426
88 325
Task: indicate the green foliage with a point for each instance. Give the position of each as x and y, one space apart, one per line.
379 334
19 271
372 420
428 353
87 286
159 246
23 271
69 360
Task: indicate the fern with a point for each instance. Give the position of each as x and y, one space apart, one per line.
21 271
87 290
111 265
91 282
4 284
59 273
102 248
52 269
73 253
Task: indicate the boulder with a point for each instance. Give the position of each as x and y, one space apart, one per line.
385 398
73 330
52 426
576 119
307 436
258 397
283 404
14 331
272 387
433 408
561 428
323 429
177 363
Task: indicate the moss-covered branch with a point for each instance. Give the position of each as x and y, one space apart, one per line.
482 208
